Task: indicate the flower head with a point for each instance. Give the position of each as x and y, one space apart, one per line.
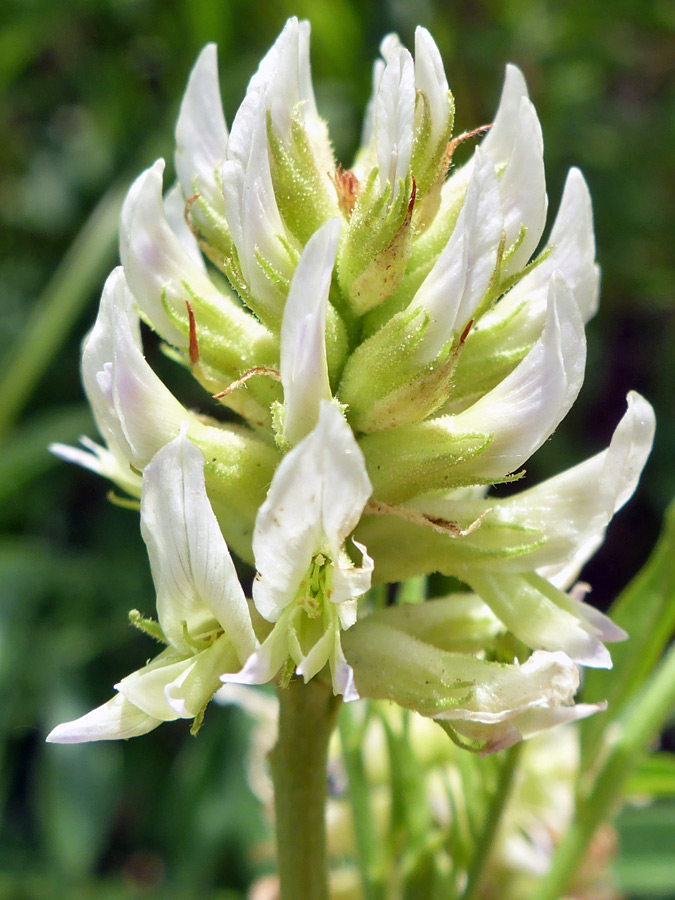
386 351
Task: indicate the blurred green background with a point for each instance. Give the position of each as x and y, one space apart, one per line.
89 92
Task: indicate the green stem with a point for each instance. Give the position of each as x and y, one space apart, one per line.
492 821
307 714
61 302
367 851
628 739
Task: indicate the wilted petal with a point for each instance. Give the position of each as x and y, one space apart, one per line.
118 719
194 575
201 132
304 369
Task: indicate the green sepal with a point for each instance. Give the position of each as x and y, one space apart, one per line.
376 245
210 228
429 160
492 545
302 192
228 338
383 384
418 459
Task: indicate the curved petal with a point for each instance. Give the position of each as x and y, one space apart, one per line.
201 132
118 719
498 143
194 575
304 369
523 189
188 694
541 616
157 265
430 78
134 411
527 406
460 277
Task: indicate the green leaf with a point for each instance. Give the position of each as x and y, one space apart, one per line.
654 777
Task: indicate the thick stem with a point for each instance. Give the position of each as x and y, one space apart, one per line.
307 715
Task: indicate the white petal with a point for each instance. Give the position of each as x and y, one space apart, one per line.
430 78
135 412
115 720
526 724
351 581
523 189
146 687
573 241
264 663
460 277
194 575
565 517
316 498
253 215
394 118
535 612
571 251
304 369
102 461
588 495
527 406
174 212
156 264
201 132
498 143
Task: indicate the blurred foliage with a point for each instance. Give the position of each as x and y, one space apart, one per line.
89 91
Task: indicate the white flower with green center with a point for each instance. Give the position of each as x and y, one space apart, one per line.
203 617
307 583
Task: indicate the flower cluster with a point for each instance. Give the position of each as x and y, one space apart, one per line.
386 349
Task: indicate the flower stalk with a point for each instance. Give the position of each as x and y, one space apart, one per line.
307 715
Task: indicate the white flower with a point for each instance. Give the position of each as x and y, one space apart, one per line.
201 607
493 704
306 583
